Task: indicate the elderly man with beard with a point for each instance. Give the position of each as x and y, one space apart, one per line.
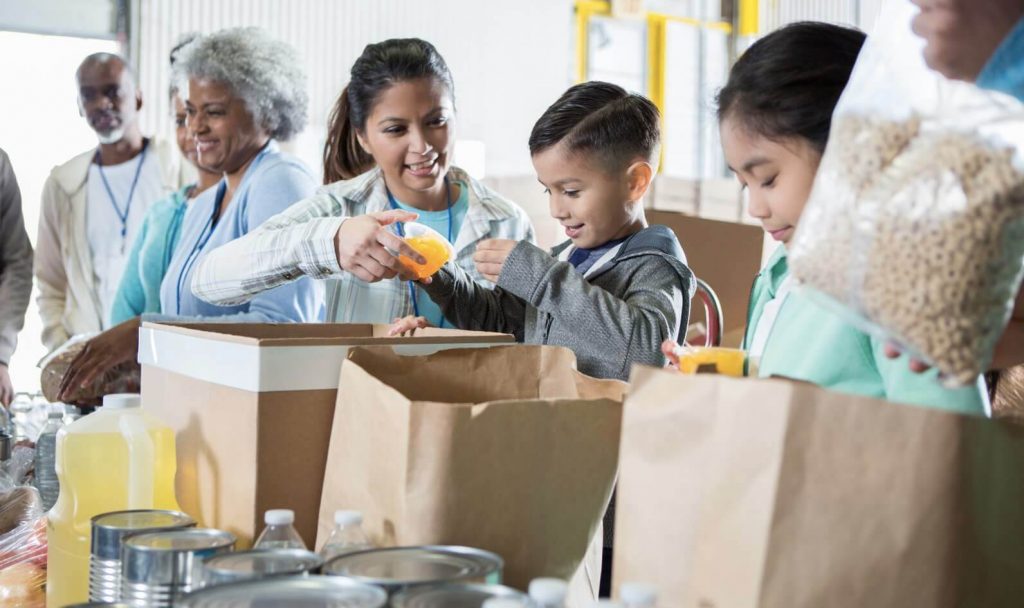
93 205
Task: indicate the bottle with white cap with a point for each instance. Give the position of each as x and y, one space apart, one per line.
608 604
638 595
347 537
118 458
280 532
549 592
504 602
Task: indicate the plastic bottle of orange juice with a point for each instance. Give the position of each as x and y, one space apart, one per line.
117 458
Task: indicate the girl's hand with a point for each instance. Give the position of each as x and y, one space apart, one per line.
117 345
670 349
407 325
490 257
363 245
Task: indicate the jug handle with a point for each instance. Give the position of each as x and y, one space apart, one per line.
141 460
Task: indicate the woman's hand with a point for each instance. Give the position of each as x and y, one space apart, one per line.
490 257
363 245
117 345
409 324
6 387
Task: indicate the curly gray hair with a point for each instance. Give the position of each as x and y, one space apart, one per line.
263 71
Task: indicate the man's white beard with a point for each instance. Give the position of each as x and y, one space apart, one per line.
111 137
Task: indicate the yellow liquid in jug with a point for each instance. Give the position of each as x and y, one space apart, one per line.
435 251
93 472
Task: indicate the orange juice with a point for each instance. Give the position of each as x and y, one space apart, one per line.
115 459
435 250
712 359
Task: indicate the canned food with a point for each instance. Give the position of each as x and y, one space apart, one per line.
108 533
401 568
160 567
259 563
455 596
304 591
98 605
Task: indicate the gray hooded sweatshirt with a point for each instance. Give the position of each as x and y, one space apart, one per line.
615 315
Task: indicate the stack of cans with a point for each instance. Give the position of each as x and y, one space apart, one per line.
109 531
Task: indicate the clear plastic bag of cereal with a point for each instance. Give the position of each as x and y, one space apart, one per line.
915 224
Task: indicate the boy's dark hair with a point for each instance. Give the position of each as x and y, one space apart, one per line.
381 66
600 119
787 84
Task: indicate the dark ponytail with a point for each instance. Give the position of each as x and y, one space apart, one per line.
379 67
344 158
787 84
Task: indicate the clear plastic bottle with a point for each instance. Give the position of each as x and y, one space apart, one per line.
347 536
46 457
638 595
549 592
280 532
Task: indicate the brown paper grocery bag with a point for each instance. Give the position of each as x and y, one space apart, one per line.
745 493
508 449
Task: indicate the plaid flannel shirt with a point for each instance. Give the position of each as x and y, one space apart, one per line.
300 242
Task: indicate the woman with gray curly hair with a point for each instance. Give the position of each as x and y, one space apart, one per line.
243 92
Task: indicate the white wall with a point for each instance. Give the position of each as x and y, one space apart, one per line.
509 60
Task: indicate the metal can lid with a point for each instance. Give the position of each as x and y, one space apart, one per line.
110 529
305 591
98 605
185 540
455 596
402 566
171 557
244 565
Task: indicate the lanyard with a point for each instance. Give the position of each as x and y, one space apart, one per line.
204 237
123 216
211 224
401 232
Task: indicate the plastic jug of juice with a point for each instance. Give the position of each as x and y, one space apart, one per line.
114 459
431 245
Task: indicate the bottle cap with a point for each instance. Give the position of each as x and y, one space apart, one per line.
121 401
548 591
279 517
348 518
638 594
502 602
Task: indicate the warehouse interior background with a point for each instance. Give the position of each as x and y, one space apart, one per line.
510 60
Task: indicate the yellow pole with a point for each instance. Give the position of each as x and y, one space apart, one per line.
749 17
584 10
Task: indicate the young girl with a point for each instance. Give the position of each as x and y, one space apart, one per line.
774 115
393 134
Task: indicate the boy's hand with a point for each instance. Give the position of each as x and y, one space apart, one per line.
404 325
670 349
490 257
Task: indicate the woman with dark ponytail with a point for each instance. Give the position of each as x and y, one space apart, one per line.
388 154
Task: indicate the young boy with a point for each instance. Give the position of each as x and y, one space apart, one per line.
617 288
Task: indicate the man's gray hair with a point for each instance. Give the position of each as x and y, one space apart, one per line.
264 72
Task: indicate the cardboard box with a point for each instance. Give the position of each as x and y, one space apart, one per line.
253 405
726 255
